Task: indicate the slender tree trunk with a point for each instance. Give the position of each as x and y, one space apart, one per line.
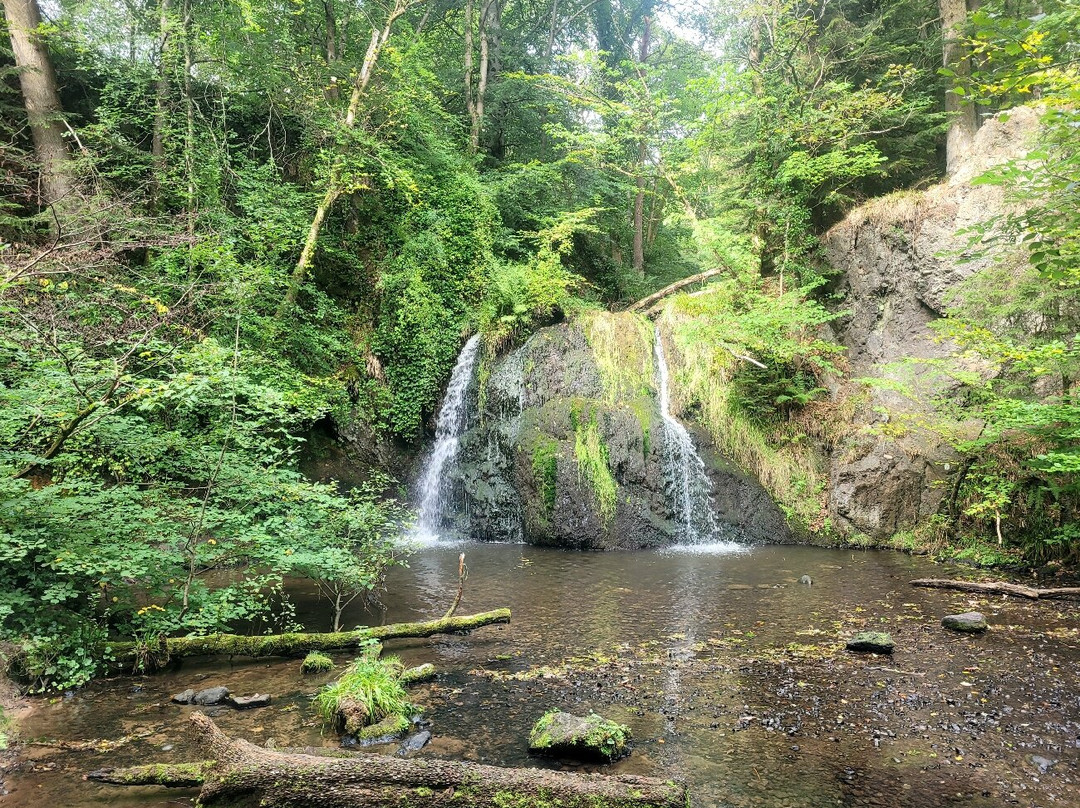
964 122
41 97
333 93
470 98
643 145
189 115
161 102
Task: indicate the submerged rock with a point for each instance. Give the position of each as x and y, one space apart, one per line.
807 580
249 702
211 695
970 622
591 738
871 642
414 743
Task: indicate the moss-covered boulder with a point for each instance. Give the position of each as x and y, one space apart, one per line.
565 447
871 642
592 738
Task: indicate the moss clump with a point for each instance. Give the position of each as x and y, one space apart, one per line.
545 467
622 348
589 738
370 690
315 662
591 452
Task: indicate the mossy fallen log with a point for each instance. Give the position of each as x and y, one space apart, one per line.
241 771
1001 588
128 654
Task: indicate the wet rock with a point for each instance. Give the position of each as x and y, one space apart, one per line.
1044 764
249 702
184 698
871 642
807 580
970 622
590 738
211 695
414 743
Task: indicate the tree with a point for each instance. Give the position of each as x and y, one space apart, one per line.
39 88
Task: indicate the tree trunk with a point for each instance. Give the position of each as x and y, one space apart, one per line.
41 97
643 146
127 654
240 770
964 121
470 98
656 297
1001 588
161 103
487 24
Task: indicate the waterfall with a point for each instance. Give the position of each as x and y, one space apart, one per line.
687 485
451 422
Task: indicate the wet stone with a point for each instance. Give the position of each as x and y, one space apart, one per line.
970 622
185 697
249 702
871 642
212 695
807 580
414 743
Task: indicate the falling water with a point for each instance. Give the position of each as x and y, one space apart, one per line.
451 423
688 486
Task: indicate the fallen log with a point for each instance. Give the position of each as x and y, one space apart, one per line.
239 770
127 654
1000 588
647 302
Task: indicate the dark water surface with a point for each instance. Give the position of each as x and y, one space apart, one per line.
729 672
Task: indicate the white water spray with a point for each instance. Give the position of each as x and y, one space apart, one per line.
450 424
688 486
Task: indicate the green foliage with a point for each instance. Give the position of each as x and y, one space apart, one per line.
371 682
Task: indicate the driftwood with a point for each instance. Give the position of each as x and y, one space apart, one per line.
239 770
1001 588
127 654
647 302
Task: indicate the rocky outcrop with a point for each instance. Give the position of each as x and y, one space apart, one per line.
900 258
565 447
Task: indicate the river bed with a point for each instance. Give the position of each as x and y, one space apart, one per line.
730 673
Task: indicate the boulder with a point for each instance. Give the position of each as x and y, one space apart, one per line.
184 698
871 642
970 622
211 695
591 738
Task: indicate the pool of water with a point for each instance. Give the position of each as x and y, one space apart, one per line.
730 673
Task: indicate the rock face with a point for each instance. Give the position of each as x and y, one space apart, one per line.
590 738
899 259
565 447
970 622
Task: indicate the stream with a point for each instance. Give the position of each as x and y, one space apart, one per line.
730 673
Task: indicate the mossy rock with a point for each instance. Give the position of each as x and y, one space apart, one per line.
315 662
592 738
968 622
871 642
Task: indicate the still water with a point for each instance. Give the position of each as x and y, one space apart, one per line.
730 673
